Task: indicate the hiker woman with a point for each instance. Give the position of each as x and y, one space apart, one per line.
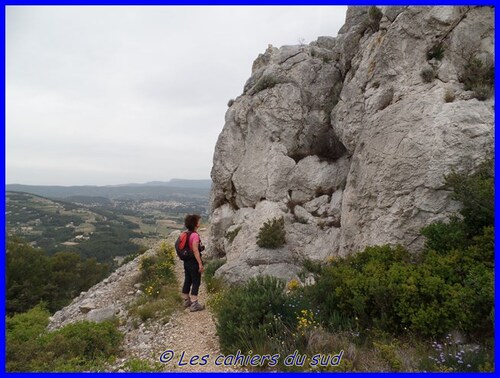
193 267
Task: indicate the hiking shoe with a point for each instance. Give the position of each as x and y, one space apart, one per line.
187 303
196 306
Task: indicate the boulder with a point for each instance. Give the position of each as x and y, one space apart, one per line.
100 315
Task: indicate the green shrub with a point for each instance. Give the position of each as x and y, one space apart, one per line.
266 82
475 192
146 311
87 340
272 234
479 296
212 266
250 314
442 237
28 325
373 18
427 74
478 76
425 302
213 284
317 54
138 365
449 96
468 272
358 288
482 92
388 353
160 306
22 333
436 52
160 286
326 59
382 287
158 270
259 318
312 266
129 258
230 235
75 347
461 253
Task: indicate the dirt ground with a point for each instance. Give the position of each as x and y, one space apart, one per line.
194 345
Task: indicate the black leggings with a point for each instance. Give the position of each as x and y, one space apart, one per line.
192 276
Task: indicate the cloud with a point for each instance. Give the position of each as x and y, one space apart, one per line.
112 94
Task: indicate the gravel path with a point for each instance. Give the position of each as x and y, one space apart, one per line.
187 343
193 339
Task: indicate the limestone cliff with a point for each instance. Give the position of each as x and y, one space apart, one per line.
349 138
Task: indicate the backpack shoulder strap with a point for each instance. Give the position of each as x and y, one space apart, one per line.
188 236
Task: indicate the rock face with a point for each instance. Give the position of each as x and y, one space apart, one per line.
346 141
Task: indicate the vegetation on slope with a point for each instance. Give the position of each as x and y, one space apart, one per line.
431 311
82 346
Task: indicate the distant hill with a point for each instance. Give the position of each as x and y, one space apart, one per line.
174 189
177 183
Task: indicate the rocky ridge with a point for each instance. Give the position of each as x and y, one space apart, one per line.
346 141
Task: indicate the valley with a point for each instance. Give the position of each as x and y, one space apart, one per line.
106 229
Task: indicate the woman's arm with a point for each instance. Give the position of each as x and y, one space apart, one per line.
197 256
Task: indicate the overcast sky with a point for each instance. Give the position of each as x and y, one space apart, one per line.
114 95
